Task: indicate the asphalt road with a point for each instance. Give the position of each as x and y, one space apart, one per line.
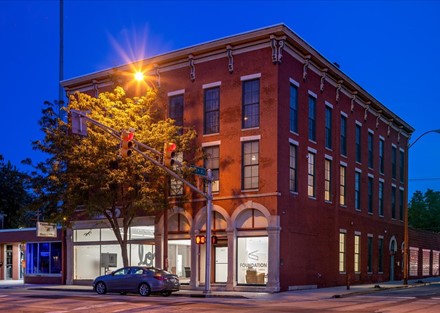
423 299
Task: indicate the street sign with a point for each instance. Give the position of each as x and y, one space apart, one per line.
201 171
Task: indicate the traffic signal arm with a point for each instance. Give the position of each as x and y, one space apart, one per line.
80 117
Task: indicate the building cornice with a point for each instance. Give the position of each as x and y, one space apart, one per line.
280 39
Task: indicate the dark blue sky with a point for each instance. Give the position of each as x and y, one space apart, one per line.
390 48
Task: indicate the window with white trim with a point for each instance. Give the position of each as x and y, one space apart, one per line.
311 174
251 103
250 164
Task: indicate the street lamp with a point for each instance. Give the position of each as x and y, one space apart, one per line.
405 203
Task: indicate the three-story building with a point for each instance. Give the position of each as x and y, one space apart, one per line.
308 166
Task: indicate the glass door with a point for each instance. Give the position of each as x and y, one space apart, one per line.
221 264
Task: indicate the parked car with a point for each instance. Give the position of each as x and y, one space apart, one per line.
137 279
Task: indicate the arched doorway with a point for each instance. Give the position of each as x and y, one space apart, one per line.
393 249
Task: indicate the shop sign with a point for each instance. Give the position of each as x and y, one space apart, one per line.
46 229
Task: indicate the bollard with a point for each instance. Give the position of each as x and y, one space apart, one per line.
348 281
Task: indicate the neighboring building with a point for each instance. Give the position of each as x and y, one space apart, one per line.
30 256
309 170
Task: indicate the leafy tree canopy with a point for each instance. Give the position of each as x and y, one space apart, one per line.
14 196
88 173
424 210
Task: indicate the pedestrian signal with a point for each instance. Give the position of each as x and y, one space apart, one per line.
200 239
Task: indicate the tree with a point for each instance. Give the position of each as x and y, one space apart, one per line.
88 172
424 210
14 196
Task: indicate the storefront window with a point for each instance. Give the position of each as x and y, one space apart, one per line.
96 251
87 262
142 254
179 258
84 235
43 258
252 260
141 232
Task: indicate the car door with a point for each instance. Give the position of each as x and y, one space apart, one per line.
118 280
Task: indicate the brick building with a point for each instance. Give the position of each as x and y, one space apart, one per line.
309 169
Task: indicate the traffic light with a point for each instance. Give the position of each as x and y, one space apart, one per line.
126 143
169 152
200 239
214 239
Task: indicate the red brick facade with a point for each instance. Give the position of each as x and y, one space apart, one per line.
304 231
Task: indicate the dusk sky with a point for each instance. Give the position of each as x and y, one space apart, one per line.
390 48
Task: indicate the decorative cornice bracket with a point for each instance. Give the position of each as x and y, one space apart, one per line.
277 45
230 58
338 89
306 65
323 77
192 74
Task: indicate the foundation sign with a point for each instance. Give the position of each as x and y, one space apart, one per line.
46 230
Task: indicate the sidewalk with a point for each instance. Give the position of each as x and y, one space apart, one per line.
308 294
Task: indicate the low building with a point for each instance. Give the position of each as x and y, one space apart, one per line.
30 256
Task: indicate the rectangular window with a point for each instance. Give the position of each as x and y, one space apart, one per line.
370 195
342 252
358 143
435 263
328 127
382 156
380 256
401 165
311 175
312 118
380 198
344 135
413 261
357 253
212 161
176 109
212 110
426 262
43 258
251 103
401 204
292 169
250 165
370 255
370 150
357 191
342 184
393 202
394 161
293 108
328 180
252 260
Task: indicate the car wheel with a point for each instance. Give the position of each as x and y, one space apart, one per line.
166 293
101 288
144 290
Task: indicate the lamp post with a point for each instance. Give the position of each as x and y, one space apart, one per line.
405 203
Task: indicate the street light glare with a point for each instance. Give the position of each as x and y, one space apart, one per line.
139 76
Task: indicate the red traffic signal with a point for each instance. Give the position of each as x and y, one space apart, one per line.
126 143
169 152
200 239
